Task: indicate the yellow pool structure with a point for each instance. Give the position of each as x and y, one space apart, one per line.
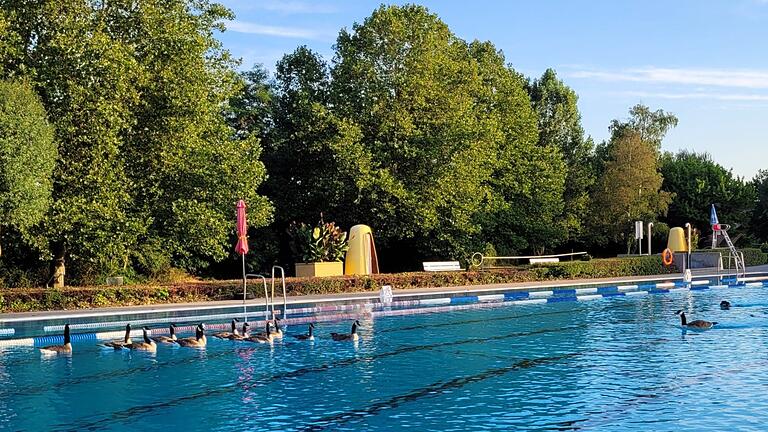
361 256
676 241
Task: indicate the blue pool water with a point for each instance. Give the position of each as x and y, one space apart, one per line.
619 363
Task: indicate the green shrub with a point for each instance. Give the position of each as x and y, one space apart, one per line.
615 267
162 294
764 247
152 260
323 243
752 256
20 300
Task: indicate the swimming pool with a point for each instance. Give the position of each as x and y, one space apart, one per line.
619 363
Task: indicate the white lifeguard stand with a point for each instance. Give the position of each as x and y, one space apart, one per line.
721 230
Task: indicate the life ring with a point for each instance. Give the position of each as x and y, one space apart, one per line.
667 257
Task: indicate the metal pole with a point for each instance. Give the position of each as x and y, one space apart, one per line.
244 278
245 291
688 261
650 225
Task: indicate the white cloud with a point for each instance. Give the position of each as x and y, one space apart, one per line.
753 79
697 95
267 30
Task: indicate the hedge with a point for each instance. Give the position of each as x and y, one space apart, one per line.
752 256
38 299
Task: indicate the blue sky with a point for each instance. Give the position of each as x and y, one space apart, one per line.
705 61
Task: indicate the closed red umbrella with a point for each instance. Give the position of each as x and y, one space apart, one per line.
242 240
242 229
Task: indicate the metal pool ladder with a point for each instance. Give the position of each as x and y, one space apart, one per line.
285 297
269 299
266 295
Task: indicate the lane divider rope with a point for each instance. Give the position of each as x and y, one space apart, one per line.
326 313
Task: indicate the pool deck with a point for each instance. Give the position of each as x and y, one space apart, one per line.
357 296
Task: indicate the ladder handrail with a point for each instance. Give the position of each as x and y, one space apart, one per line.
738 256
266 295
285 297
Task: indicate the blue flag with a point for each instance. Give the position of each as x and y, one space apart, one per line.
713 216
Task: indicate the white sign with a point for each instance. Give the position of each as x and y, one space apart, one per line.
639 230
385 296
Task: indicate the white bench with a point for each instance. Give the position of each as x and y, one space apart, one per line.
544 260
438 266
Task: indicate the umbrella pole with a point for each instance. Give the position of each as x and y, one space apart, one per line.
245 289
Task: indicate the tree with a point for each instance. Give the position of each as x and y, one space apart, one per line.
698 182
759 225
313 156
526 185
651 125
249 111
628 189
559 124
146 161
411 87
27 157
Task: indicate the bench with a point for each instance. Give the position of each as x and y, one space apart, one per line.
544 260
438 266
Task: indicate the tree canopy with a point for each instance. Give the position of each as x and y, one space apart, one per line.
27 157
134 92
559 124
629 188
698 182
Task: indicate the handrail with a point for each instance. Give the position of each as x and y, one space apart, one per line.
266 294
735 258
285 297
478 258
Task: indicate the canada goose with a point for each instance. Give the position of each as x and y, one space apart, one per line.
310 334
146 345
227 335
262 337
278 332
65 348
347 336
267 329
697 324
199 341
167 339
119 344
725 305
244 335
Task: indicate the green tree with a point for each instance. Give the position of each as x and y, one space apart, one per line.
628 189
526 184
27 157
311 154
411 86
759 224
698 182
146 160
560 127
250 109
652 126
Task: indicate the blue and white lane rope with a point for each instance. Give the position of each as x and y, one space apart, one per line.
416 307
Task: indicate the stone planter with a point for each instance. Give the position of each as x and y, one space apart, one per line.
320 269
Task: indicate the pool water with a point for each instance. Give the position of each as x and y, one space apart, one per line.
622 363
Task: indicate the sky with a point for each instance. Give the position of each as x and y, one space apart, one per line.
704 61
